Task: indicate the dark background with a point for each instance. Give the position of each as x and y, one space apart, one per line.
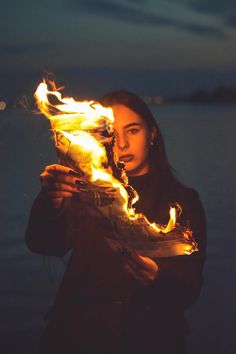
155 47
152 48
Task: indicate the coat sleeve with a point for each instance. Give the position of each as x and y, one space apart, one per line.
47 230
180 278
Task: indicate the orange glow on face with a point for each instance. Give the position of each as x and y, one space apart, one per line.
77 127
133 139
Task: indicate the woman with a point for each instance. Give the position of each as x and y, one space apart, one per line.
108 303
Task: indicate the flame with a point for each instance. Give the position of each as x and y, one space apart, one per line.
78 122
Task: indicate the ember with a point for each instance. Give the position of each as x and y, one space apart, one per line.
84 140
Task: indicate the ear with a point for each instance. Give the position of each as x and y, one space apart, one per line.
153 133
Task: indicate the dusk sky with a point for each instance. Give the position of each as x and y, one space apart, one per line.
151 47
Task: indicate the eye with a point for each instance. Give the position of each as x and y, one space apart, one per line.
133 131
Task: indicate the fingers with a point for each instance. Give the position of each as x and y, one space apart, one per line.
56 202
59 194
143 269
149 264
60 182
51 183
141 276
62 173
56 168
141 279
59 174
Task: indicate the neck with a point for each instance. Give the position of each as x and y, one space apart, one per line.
139 171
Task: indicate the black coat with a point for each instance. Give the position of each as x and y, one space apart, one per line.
99 308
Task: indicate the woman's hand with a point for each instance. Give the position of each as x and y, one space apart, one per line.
59 182
143 269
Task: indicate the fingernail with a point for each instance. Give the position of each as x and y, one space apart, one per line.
80 189
110 190
120 164
80 183
77 174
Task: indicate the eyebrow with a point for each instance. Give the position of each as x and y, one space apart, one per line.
133 125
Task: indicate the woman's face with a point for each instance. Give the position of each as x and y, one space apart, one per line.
133 139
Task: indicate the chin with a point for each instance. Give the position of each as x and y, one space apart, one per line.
136 169
129 167
132 171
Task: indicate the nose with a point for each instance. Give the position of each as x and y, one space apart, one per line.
122 142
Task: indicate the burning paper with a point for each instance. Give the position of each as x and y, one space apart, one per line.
84 140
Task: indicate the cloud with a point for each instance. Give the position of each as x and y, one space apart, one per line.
204 30
225 10
135 15
217 7
208 6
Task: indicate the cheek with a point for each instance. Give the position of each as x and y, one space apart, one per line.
142 140
140 147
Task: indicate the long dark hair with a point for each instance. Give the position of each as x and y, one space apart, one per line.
158 157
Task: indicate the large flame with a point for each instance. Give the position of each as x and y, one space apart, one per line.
78 122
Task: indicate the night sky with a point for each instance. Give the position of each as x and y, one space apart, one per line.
150 47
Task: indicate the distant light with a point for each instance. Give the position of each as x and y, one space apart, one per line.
147 99
158 100
2 105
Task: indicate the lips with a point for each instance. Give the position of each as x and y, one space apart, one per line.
126 158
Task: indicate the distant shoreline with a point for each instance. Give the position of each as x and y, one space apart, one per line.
221 94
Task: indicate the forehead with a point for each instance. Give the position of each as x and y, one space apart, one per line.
125 116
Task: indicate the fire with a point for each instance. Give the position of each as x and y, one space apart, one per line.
82 130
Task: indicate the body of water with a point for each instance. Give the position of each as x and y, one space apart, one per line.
200 141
